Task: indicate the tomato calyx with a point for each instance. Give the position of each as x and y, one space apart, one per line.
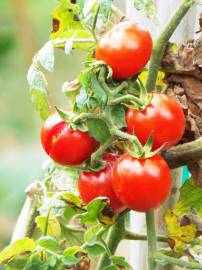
145 151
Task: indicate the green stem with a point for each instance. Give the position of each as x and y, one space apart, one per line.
162 40
98 154
167 260
136 236
126 98
151 238
84 116
184 153
115 235
130 138
119 88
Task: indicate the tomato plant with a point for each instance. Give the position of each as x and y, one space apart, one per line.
99 184
59 229
141 184
64 145
163 118
126 48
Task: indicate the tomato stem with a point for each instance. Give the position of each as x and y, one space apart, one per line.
162 40
164 260
136 236
115 235
127 98
151 239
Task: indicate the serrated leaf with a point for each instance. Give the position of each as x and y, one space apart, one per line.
96 249
121 261
147 6
70 257
190 197
46 56
48 242
90 236
98 129
66 26
181 235
98 90
17 248
72 199
41 103
53 229
36 79
118 116
98 210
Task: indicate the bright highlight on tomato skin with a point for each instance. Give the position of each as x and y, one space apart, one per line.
141 184
64 145
126 48
99 184
163 117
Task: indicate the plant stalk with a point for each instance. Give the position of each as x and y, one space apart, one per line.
137 236
162 40
115 235
151 239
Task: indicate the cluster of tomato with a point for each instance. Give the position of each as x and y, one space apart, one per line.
141 184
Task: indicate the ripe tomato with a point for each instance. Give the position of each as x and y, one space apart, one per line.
141 184
99 184
163 117
126 48
64 145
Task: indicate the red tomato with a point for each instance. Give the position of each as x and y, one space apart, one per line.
126 48
163 117
64 145
99 184
141 184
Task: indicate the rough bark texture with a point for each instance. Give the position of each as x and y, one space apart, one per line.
183 68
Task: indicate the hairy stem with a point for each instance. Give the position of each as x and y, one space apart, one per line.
136 236
184 153
127 98
162 40
115 235
166 260
151 238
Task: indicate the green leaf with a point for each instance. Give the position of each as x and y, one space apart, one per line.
80 4
98 210
17 248
40 100
190 198
110 267
105 9
98 90
46 56
48 242
66 26
63 114
119 116
82 98
53 230
96 249
36 79
72 199
70 255
120 261
90 236
147 6
98 129
72 235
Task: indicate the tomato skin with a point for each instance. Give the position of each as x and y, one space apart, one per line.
163 117
126 48
64 145
141 184
99 184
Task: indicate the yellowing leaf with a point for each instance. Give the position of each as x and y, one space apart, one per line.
66 26
17 248
181 235
53 229
160 78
